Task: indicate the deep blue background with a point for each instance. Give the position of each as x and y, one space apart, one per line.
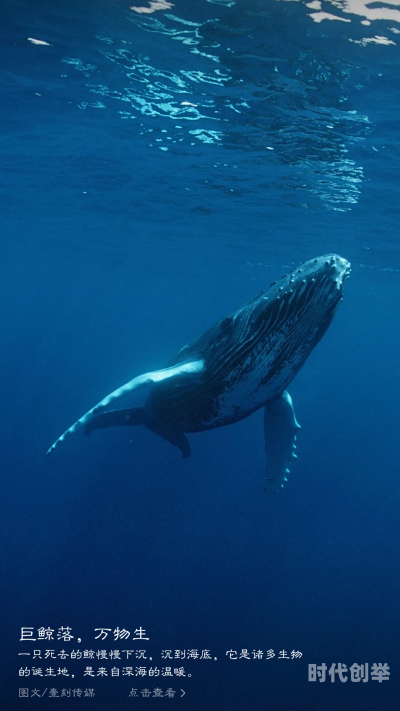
114 254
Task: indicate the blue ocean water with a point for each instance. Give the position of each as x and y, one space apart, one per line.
161 165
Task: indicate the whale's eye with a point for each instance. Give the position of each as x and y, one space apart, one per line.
226 322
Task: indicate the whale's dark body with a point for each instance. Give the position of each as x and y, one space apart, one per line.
244 362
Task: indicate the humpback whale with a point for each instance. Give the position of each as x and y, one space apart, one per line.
244 362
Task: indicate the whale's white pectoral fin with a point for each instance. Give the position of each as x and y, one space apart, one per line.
280 429
146 379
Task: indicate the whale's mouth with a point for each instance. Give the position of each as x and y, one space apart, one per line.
303 304
342 269
328 273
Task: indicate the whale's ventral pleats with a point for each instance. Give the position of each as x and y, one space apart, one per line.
245 362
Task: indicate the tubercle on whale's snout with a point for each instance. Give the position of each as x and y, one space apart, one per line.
332 262
331 265
314 287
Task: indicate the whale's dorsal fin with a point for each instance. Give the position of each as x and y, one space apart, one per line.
155 376
280 428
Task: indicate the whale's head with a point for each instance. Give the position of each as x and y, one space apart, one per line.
254 353
314 290
275 333
251 356
295 312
